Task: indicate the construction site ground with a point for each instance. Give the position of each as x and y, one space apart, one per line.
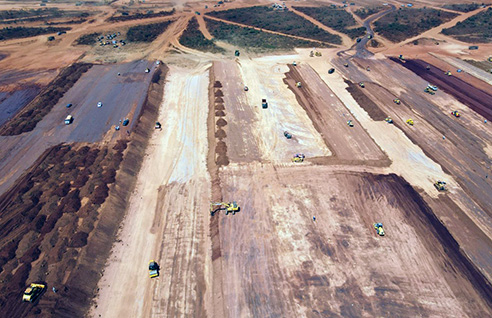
303 243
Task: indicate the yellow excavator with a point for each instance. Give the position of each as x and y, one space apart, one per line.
33 291
410 122
229 207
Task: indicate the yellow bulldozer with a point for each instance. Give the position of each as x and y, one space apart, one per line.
410 122
299 157
33 292
229 207
440 185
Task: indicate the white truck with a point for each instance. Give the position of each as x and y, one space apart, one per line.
68 120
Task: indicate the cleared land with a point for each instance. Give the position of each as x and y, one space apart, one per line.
275 20
335 18
407 22
476 28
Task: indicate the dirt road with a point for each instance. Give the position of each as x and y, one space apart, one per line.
163 222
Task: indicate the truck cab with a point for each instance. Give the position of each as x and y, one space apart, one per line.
68 120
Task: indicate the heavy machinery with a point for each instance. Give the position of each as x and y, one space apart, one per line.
448 73
246 88
455 113
298 84
317 53
68 120
294 63
236 53
410 122
397 101
432 87
379 228
440 185
331 71
147 70
158 125
361 84
33 291
350 123
229 207
428 67
287 135
401 58
368 69
358 40
370 36
153 269
126 122
345 64
388 120
311 54
489 59
430 91
298 157
264 103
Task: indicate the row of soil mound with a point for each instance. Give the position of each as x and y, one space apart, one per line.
221 158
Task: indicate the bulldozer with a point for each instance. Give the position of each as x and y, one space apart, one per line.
397 101
299 157
440 185
410 122
153 269
33 291
455 113
379 228
229 207
388 120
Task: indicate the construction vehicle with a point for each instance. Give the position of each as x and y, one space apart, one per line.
368 69
361 84
345 64
401 57
459 70
68 120
455 113
246 88
158 125
358 40
147 70
369 36
410 122
229 207
287 135
489 59
126 122
432 87
331 71
388 120
397 101
448 73
317 53
379 228
264 103
33 291
311 54
350 123
428 67
298 157
99 104
69 105
294 63
428 90
236 53
298 84
153 269
440 185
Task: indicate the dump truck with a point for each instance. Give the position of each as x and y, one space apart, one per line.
317 53
410 122
379 228
157 125
264 103
298 157
229 207
69 105
287 135
440 185
455 113
361 84
388 120
428 90
331 71
448 73
432 87
397 101
345 64
68 120
33 291
153 269
298 84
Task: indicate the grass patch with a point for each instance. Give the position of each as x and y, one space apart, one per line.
365 12
193 38
335 18
87 39
275 20
407 22
477 28
23 32
34 112
29 15
146 32
254 39
125 16
465 7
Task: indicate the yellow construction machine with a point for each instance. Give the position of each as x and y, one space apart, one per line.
397 101
298 157
388 120
229 207
440 185
33 292
153 269
410 122
317 53
448 73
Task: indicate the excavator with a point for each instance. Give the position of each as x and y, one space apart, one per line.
440 185
229 207
299 157
455 113
379 228
410 122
